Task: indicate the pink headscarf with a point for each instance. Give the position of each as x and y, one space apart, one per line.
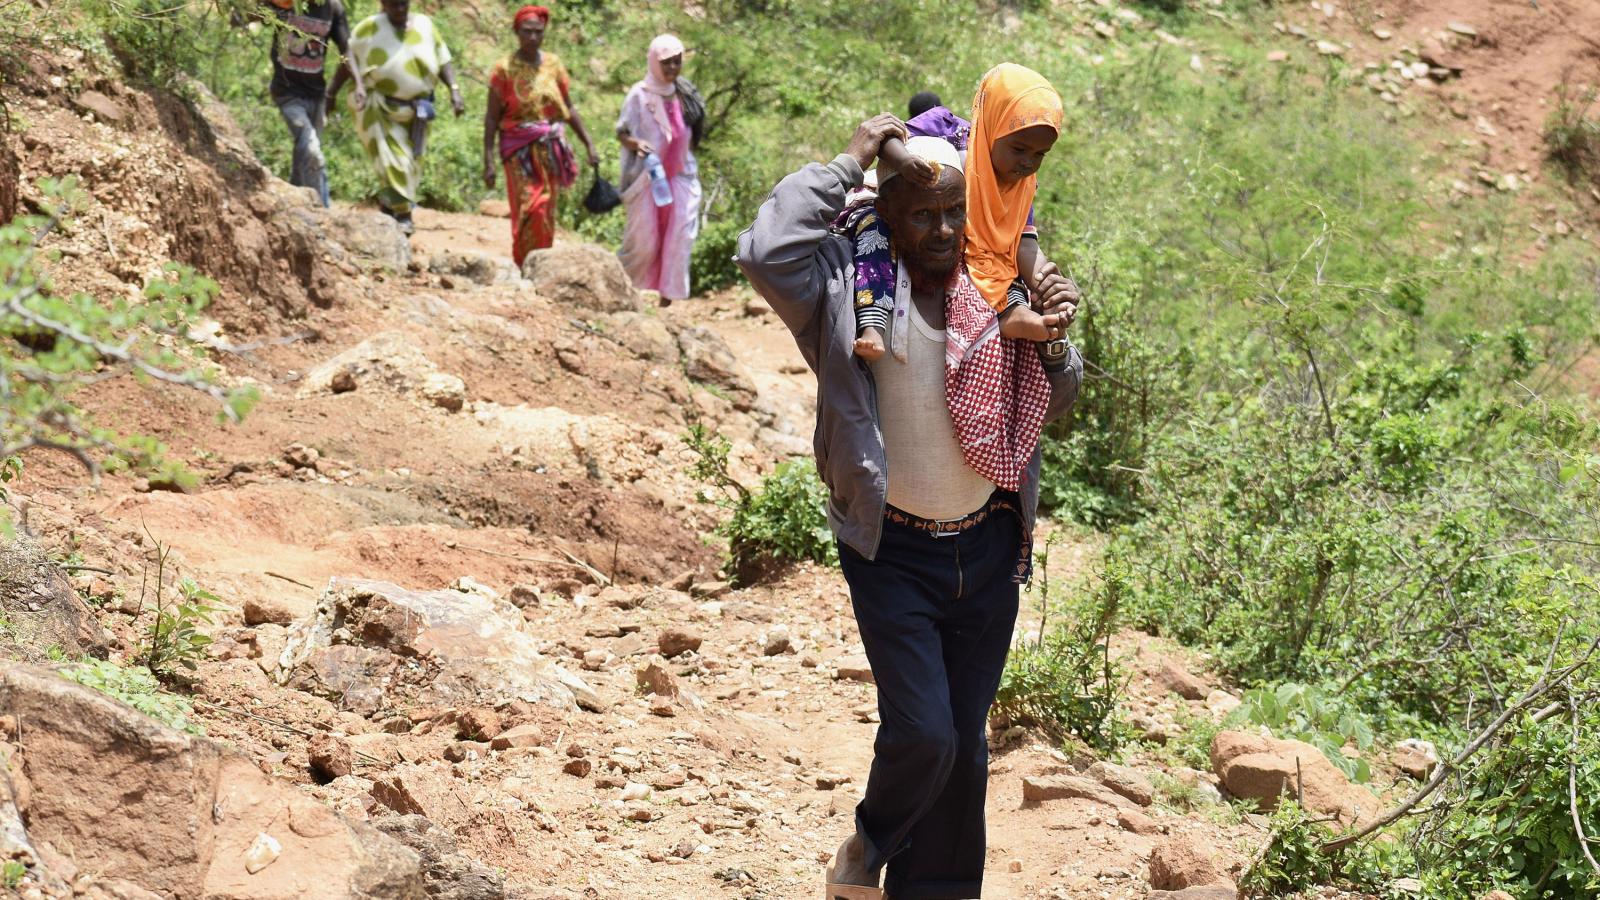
656 85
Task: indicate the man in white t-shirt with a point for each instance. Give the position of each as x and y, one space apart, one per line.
932 551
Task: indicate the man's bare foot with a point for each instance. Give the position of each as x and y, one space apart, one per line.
1020 322
869 346
850 864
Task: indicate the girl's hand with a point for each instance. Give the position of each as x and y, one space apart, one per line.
594 158
488 175
639 147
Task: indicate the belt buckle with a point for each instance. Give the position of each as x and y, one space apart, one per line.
940 532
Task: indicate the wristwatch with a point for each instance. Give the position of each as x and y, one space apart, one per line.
1055 349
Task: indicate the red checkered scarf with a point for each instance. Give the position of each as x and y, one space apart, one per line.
996 388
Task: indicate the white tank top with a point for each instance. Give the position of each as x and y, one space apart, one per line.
928 476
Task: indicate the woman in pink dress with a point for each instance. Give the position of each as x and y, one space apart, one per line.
661 123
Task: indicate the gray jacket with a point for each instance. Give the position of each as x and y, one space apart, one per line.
807 273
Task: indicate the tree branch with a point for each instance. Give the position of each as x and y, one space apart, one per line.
1539 689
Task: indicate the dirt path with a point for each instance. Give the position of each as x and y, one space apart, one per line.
564 453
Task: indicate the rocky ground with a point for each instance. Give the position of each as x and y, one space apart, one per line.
474 644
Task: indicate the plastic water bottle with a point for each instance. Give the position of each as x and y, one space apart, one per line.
660 188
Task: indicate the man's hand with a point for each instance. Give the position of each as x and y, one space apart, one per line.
456 102
1058 296
871 134
488 174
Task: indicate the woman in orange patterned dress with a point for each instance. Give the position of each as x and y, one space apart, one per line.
529 111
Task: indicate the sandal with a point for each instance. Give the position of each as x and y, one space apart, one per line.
850 891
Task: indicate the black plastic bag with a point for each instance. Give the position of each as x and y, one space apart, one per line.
602 196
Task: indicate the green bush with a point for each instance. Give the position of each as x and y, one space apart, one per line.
1067 682
138 688
1293 859
1572 133
783 521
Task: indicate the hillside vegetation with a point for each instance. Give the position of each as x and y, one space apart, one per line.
1332 432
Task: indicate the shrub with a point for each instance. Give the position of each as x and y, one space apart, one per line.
1067 682
174 639
782 521
1293 858
10 468
1572 133
137 687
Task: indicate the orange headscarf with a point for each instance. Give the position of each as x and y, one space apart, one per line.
1010 98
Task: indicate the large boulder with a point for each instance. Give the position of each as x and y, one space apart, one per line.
581 277
481 268
708 360
388 359
128 798
370 644
41 609
1260 768
368 234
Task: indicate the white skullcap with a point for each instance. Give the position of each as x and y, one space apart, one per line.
936 150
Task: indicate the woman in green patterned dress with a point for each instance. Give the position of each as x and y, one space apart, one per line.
399 58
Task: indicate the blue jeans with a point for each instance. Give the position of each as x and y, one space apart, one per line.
305 118
936 616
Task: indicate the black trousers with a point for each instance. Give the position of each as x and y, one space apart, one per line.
936 616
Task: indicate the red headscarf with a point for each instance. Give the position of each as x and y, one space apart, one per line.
531 12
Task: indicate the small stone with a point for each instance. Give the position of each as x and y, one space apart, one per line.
633 790
1416 758
300 456
461 751
641 814
866 712
662 706
1278 56
710 590
827 781
1125 781
444 391
1382 34
595 660
653 678
1221 703
854 668
329 757
778 643
525 735
1138 822
669 781
1014 867
677 641
264 850
1329 48
266 611
478 724
1177 679
1044 788
578 768
684 850
1462 29
342 382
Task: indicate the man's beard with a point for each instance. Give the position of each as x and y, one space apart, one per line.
926 275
